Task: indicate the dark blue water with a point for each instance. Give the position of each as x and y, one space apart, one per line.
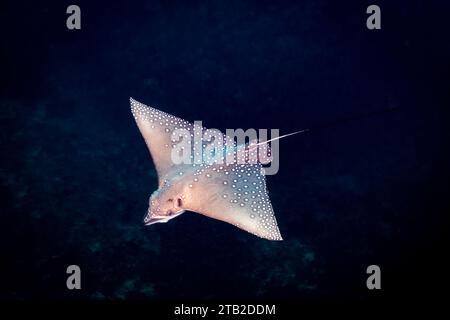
75 174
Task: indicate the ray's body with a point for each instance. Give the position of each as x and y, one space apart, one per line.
233 193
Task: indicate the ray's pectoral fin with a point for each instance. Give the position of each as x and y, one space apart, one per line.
157 127
236 194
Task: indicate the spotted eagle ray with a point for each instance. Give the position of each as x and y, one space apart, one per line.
233 193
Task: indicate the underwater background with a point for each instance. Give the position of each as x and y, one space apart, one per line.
75 175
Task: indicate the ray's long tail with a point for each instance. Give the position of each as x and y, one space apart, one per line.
332 124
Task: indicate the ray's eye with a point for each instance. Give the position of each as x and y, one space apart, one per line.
170 200
179 202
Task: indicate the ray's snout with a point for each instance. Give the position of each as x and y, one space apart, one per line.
149 220
151 217
163 207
